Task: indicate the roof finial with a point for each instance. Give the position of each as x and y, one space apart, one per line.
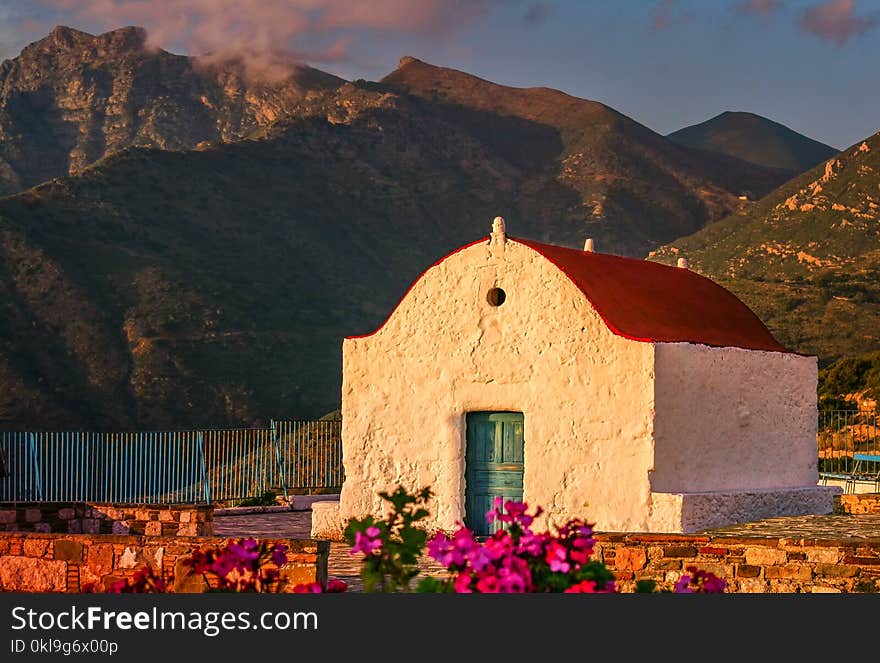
589 245
499 231
683 263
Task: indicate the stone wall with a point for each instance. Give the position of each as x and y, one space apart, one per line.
857 504
748 564
32 562
84 518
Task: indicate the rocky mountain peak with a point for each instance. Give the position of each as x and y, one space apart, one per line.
129 38
407 60
73 98
63 36
64 39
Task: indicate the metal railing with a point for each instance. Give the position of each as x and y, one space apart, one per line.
841 434
166 467
310 453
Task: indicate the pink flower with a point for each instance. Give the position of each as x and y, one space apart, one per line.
462 583
517 512
495 511
714 584
279 554
581 550
445 551
556 556
334 586
499 545
487 584
246 552
225 564
367 541
583 587
683 585
515 576
531 544
515 509
697 580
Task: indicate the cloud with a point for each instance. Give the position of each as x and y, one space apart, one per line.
664 16
272 30
536 13
760 7
836 20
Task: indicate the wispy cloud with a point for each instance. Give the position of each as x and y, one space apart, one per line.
266 30
665 15
760 7
836 20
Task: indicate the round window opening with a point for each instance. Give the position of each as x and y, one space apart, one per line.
496 296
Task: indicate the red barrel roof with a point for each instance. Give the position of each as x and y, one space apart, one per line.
646 301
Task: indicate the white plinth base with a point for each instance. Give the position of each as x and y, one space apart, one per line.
326 522
693 512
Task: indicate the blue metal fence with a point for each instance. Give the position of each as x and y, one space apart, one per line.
166 467
309 453
842 434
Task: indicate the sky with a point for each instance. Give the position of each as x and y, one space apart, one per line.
809 64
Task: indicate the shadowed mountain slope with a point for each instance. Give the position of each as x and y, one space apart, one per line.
755 139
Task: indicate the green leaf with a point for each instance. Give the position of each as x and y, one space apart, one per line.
430 585
413 538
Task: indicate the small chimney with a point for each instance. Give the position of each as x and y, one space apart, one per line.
589 245
499 231
683 263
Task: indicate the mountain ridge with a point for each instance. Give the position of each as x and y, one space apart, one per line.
755 139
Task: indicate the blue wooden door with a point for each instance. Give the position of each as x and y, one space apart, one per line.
494 464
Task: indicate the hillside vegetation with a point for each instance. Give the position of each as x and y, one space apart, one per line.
806 258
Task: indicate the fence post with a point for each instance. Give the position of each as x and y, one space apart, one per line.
37 478
205 482
281 474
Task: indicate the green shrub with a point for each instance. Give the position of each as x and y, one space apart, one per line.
266 499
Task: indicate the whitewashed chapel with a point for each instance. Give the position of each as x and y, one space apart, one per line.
638 396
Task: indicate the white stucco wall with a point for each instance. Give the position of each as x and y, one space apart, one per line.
586 394
733 419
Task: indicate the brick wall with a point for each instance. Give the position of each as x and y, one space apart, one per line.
859 503
84 518
748 564
32 562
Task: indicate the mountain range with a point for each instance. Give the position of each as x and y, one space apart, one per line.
185 244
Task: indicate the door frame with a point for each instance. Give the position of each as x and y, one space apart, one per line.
464 450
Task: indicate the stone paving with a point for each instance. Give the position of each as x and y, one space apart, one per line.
297 524
863 526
